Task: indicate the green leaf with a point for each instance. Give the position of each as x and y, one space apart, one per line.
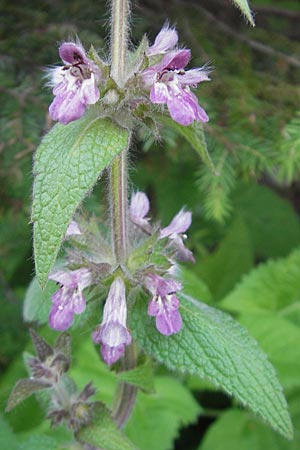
37 302
157 417
243 5
267 223
141 376
68 163
273 286
104 433
237 430
233 258
217 348
194 134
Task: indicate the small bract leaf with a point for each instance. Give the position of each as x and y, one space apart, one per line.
243 5
23 389
194 134
42 348
215 347
141 376
68 163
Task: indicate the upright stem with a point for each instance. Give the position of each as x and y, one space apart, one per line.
126 393
119 206
119 38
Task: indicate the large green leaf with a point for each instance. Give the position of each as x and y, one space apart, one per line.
68 163
217 348
243 5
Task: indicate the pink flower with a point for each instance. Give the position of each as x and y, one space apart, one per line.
69 299
169 83
112 334
164 303
74 84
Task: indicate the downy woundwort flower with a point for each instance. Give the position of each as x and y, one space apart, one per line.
69 299
74 84
164 303
175 232
112 334
169 83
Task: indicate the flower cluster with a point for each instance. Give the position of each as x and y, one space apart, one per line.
165 80
170 83
112 334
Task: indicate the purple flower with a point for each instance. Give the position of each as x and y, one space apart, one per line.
169 83
138 209
175 232
166 39
164 303
112 334
69 299
74 84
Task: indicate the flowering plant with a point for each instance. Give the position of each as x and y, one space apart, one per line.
125 277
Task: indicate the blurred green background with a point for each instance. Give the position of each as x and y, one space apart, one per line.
245 217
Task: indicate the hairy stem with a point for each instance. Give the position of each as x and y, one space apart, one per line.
119 38
119 206
126 394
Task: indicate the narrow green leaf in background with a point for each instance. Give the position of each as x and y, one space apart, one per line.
68 163
212 345
243 5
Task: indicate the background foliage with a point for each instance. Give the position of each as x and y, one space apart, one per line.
245 232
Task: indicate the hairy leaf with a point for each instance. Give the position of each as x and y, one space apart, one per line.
23 389
141 376
68 163
217 348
